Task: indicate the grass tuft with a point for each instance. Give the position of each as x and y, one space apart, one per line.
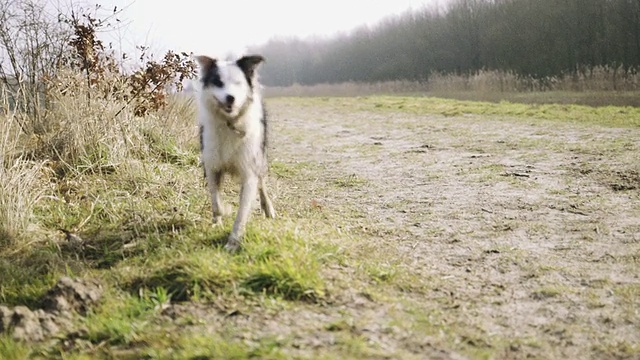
120 320
279 266
280 282
11 349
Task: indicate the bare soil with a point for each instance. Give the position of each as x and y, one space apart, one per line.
524 235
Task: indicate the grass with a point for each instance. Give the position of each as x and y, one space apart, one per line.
12 350
286 170
198 346
611 116
282 266
120 320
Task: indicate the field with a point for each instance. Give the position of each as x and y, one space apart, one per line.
409 228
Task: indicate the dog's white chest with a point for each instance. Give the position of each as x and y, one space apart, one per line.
222 146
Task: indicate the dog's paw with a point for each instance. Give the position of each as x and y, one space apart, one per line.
267 208
233 244
270 213
217 220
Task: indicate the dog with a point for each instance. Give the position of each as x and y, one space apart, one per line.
233 136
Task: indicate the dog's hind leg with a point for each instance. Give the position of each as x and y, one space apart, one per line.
265 201
247 197
214 179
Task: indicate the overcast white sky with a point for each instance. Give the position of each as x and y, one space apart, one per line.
219 27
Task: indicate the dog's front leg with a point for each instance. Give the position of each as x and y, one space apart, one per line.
214 179
248 192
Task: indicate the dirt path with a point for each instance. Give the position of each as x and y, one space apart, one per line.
525 234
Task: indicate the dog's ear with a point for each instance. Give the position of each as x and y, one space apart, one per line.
205 63
248 65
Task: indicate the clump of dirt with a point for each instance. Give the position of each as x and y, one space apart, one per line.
616 180
28 325
65 299
72 295
625 180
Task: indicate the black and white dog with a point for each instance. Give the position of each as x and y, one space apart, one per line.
233 135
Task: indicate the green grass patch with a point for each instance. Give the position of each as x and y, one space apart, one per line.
287 170
613 116
11 349
587 98
210 346
120 320
25 279
281 265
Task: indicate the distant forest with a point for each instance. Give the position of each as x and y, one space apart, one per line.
535 38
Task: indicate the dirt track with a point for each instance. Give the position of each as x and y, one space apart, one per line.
525 233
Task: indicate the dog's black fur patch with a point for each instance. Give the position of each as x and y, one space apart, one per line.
212 77
263 121
201 134
248 66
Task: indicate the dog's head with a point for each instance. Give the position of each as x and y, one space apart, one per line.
229 87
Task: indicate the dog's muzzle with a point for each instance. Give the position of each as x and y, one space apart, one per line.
228 104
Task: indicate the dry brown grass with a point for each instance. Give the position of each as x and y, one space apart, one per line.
20 184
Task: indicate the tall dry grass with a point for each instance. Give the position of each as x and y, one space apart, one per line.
85 134
20 181
598 79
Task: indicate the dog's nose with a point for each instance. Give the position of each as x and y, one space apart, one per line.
230 99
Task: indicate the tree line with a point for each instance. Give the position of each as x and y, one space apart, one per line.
534 38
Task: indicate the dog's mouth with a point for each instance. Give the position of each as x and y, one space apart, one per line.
225 107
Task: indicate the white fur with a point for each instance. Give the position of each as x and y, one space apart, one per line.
232 139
